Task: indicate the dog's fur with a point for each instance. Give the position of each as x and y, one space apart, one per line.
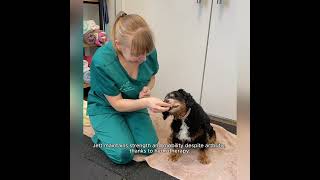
193 129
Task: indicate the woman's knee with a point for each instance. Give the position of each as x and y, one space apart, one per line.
121 156
151 145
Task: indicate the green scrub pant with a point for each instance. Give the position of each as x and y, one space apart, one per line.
124 128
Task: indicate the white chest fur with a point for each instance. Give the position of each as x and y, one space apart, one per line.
183 134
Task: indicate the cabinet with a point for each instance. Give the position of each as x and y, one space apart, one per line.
219 90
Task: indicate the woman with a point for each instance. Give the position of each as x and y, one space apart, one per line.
122 77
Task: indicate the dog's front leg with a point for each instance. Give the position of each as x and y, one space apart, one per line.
173 156
203 157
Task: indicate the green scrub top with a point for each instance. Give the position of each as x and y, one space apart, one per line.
108 77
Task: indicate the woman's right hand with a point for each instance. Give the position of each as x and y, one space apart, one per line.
156 105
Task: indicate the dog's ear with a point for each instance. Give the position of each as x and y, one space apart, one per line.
182 91
187 97
165 115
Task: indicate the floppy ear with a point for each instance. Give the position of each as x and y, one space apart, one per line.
182 91
165 115
187 97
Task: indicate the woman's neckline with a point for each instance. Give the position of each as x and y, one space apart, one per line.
125 65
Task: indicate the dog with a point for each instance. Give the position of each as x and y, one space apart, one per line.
190 124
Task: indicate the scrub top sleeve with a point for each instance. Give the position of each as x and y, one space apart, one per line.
101 82
154 57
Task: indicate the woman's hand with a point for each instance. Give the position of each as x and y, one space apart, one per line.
145 92
156 105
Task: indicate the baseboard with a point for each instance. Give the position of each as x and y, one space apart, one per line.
223 120
228 124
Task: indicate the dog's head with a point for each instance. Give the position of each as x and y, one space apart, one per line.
180 100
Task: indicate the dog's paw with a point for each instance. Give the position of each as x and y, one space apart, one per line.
204 160
174 157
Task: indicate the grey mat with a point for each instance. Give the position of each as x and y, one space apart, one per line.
100 167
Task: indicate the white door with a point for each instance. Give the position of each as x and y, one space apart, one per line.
219 96
180 28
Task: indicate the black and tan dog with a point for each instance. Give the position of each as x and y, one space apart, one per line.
190 124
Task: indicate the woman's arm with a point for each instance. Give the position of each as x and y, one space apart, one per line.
152 82
129 105
146 90
126 105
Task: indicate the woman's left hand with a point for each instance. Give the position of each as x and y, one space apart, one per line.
145 92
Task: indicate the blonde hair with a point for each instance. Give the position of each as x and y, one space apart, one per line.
132 27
